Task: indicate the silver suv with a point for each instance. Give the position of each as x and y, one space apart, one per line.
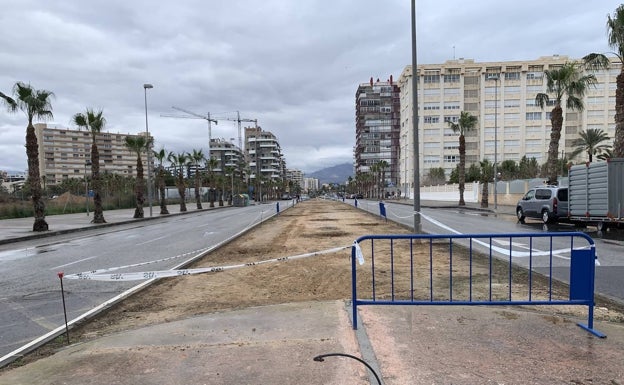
548 203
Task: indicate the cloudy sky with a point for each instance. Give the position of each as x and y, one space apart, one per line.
294 65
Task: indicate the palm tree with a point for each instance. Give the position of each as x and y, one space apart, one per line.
230 171
35 104
197 156
606 154
615 35
179 161
567 80
138 144
466 122
160 155
591 141
382 165
94 122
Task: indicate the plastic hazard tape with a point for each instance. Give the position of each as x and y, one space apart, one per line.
104 275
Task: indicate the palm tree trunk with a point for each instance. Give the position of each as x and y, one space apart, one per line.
462 169
197 195
182 192
485 195
98 210
34 179
618 141
139 190
556 120
161 189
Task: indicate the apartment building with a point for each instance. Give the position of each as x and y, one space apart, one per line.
294 175
264 155
377 127
228 156
502 96
311 184
66 153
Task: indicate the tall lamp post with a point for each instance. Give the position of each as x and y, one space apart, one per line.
496 78
149 153
415 78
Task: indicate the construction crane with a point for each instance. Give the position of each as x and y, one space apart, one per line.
194 115
239 120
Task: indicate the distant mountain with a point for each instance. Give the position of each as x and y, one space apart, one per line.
335 174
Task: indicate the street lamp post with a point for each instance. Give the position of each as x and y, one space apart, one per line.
149 153
415 78
496 78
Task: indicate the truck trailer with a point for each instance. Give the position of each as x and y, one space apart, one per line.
596 193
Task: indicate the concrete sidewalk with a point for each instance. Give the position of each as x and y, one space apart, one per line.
404 344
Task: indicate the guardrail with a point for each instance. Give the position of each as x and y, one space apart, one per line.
475 269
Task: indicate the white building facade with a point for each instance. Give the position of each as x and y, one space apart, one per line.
502 97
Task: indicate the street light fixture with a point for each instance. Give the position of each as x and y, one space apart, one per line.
149 153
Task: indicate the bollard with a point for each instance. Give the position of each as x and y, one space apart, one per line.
277 206
382 210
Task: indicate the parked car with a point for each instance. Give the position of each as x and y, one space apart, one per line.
548 203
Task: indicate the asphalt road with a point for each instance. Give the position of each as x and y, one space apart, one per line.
30 288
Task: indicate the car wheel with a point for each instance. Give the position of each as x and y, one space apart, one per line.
520 215
601 226
545 217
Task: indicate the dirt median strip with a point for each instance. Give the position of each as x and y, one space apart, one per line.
308 227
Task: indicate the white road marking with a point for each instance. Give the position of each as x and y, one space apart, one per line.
71 263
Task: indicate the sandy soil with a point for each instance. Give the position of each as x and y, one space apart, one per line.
310 226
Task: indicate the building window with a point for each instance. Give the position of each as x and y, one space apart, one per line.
451 119
432 119
451 91
431 106
432 92
431 145
512 75
512 117
452 78
471 93
430 78
432 132
451 106
451 158
533 116
512 103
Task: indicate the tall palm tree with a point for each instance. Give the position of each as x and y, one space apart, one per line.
196 157
161 155
466 123
138 145
36 104
569 82
591 141
615 37
230 172
94 122
179 162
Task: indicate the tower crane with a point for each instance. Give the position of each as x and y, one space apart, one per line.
194 115
239 120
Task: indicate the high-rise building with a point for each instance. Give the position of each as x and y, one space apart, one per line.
502 97
65 153
265 159
377 128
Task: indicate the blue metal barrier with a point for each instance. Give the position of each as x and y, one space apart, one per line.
424 269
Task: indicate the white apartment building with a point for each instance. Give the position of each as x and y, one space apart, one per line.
65 153
502 96
265 155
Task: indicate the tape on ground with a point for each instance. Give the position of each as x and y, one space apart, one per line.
101 275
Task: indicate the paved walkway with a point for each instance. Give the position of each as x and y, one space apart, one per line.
277 345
